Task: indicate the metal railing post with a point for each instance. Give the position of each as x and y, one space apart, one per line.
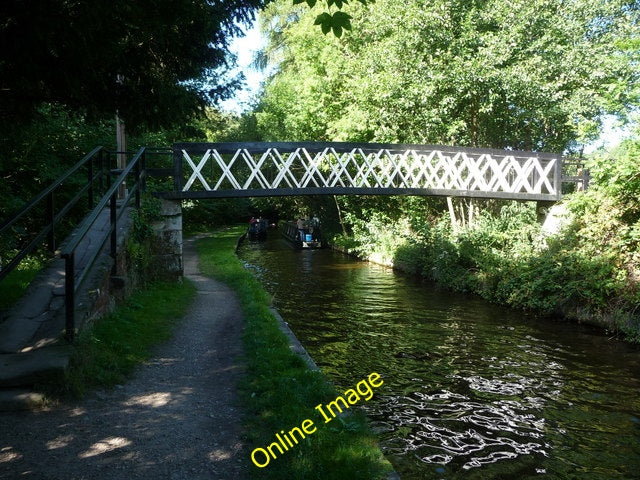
144 171
108 172
51 236
114 232
101 164
138 183
69 296
90 181
177 170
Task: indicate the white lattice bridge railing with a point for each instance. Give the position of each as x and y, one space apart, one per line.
210 170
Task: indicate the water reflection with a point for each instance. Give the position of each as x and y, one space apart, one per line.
471 390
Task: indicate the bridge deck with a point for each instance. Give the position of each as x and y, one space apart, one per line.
251 169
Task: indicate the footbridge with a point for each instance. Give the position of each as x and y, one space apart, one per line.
252 169
92 206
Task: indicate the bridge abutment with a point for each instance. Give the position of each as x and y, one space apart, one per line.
168 257
542 209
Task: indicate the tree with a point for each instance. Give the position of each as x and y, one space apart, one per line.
525 74
155 61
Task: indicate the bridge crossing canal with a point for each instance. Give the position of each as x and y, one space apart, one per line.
210 170
95 186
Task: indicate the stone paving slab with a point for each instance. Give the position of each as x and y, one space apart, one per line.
13 399
32 310
18 369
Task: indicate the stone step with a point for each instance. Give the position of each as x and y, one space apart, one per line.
40 305
21 369
15 399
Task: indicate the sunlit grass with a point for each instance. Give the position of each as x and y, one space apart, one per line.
107 354
280 392
16 283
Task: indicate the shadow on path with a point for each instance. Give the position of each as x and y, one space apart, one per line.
177 418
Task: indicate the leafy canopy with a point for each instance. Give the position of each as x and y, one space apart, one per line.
522 74
155 61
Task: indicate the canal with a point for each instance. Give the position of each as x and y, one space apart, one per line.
471 390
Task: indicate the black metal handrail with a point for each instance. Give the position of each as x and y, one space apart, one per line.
575 171
149 152
53 218
72 284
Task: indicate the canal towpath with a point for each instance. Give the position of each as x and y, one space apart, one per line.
178 417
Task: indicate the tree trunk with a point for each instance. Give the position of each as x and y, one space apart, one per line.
452 215
462 213
344 230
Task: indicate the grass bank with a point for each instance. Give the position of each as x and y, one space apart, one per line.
15 284
280 392
107 354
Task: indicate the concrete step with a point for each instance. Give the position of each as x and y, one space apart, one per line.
21 369
15 399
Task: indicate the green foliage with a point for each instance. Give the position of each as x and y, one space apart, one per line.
155 62
588 271
34 154
144 217
280 391
378 235
533 75
618 176
142 243
335 22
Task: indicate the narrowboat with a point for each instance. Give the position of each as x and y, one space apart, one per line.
257 229
307 237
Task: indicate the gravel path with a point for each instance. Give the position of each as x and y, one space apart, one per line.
177 418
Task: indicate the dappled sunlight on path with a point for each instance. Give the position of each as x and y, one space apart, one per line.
177 418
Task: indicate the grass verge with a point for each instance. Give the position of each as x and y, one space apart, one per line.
107 354
280 392
15 284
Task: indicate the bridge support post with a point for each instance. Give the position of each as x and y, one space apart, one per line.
169 234
542 209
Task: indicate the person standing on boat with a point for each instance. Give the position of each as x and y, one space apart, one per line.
315 227
300 225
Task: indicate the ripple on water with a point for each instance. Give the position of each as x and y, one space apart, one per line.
443 427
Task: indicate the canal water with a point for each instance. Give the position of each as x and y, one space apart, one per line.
471 390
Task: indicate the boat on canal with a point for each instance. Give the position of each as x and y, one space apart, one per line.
257 229
306 237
